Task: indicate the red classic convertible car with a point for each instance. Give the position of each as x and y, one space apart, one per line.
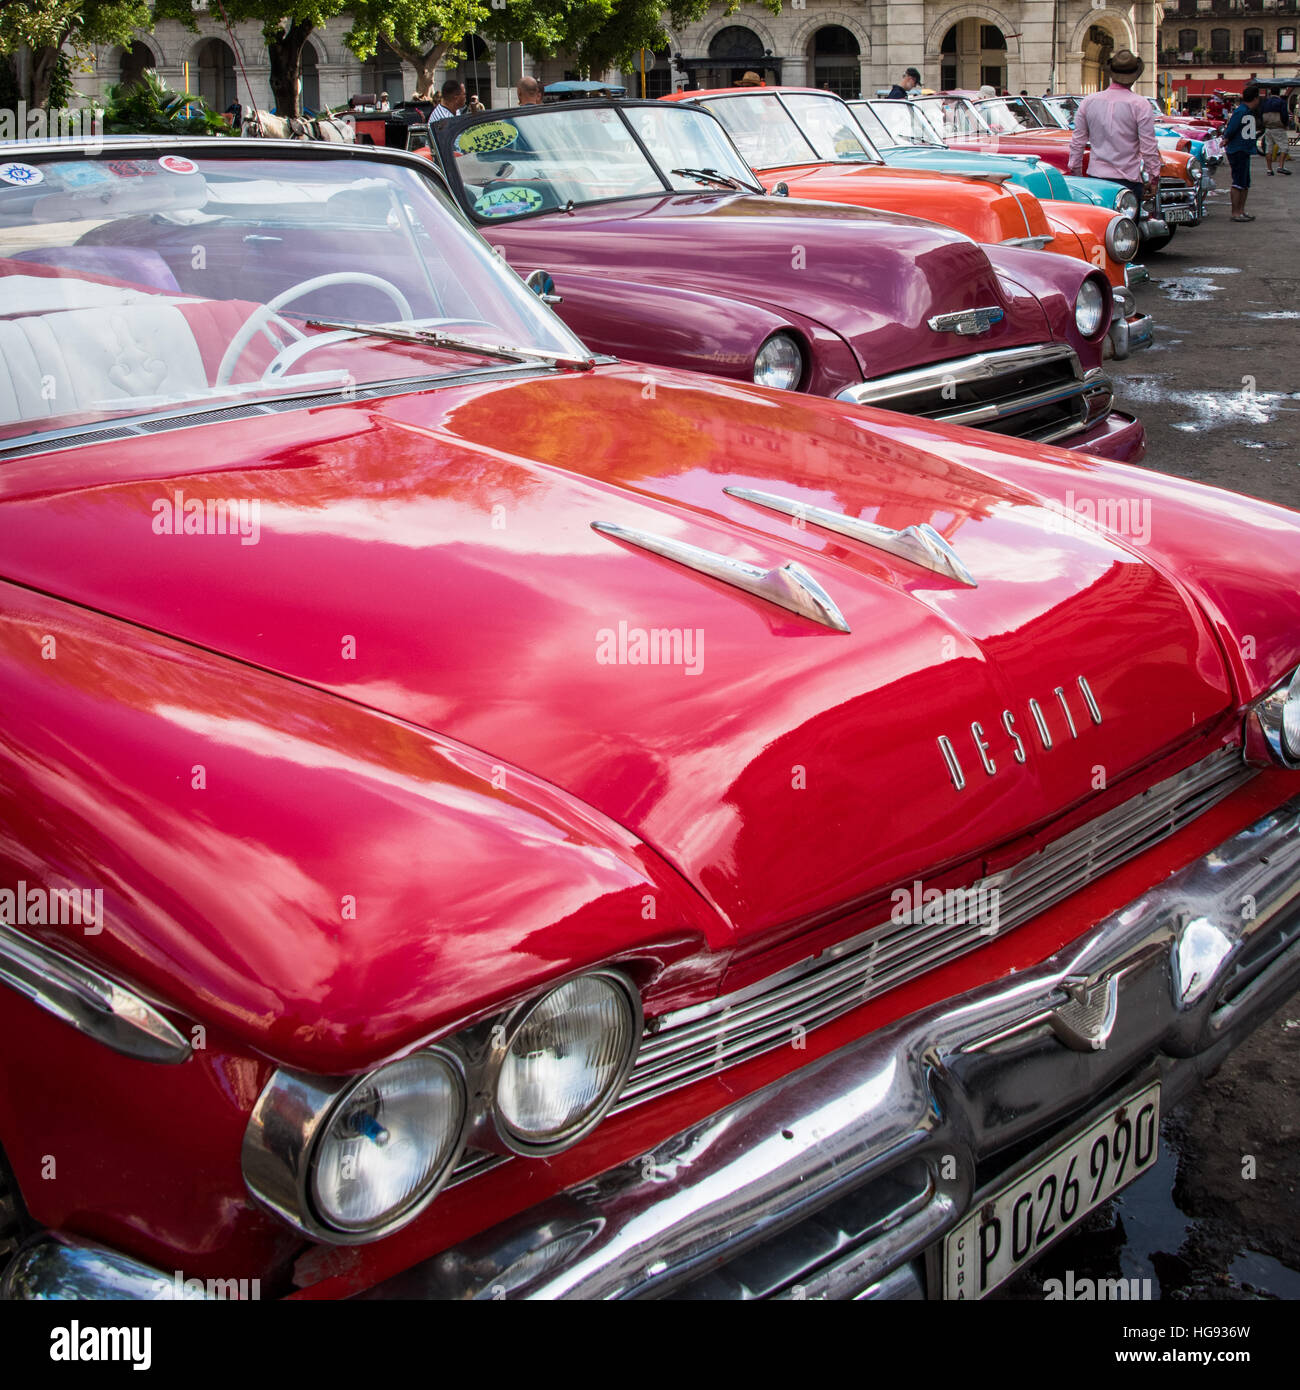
483 822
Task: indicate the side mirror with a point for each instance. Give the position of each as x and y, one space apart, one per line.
543 286
781 190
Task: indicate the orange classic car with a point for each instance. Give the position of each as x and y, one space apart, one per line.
811 143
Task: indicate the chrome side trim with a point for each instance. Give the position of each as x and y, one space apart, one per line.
929 1089
789 586
919 543
1029 243
90 1001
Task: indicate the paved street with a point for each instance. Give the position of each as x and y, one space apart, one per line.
1220 395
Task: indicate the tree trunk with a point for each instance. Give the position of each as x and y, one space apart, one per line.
44 62
284 53
424 61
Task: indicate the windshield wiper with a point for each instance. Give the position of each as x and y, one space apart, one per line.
428 338
712 176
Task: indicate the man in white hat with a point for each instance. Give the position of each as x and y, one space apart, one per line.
1120 126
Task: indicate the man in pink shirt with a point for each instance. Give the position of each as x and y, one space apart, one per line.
1121 129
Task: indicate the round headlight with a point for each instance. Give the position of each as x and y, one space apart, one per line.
1089 308
779 363
1123 238
1127 203
1195 169
1291 719
386 1142
565 1062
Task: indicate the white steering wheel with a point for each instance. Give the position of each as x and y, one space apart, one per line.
262 318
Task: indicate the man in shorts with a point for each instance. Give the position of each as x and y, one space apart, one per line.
1239 137
1276 121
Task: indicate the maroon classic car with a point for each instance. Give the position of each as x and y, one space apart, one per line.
475 826
663 249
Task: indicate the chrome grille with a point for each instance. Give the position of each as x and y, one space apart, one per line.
696 1042
1037 393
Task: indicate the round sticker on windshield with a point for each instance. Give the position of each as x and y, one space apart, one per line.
20 175
178 164
483 139
508 202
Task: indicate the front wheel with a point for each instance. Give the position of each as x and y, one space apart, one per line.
1158 243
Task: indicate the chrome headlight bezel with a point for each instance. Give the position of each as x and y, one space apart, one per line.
1122 238
1195 169
795 374
1090 310
283 1136
1273 725
504 1036
1127 204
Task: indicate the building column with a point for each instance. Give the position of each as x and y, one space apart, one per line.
1036 46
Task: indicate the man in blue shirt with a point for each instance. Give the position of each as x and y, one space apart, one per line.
1239 137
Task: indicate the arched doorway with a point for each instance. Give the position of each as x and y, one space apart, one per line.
216 64
1098 45
834 54
972 55
135 62
475 71
309 96
735 51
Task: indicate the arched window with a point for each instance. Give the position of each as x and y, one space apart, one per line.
216 65
135 62
1254 41
310 102
1188 39
1220 43
735 41
1286 40
835 61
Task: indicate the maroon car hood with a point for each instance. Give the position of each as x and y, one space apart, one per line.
784 767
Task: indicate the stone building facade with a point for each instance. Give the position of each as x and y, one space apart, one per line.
1208 44
852 46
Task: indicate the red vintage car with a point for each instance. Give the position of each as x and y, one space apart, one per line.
482 820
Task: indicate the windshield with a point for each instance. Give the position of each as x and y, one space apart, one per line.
1044 113
955 116
556 156
1065 107
1008 115
796 128
135 282
894 123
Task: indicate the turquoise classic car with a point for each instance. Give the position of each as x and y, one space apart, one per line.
906 138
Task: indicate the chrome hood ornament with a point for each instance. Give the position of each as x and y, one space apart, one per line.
920 544
967 322
789 586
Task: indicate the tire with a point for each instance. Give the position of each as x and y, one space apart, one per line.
1158 243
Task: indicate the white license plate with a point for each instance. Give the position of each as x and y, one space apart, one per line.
1009 1229
1180 214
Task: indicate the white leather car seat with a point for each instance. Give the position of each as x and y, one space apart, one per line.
68 346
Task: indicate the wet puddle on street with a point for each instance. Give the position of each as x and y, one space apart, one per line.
1238 407
1194 285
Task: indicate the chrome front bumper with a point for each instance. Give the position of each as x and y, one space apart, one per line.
896 1124
840 1180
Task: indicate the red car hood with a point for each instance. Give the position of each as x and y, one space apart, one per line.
785 768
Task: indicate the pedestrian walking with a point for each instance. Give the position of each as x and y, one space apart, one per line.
1239 137
1276 120
909 86
1120 127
